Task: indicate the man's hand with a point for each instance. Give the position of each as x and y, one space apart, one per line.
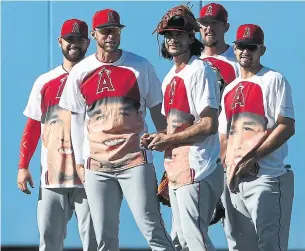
146 139
160 142
248 163
23 177
80 169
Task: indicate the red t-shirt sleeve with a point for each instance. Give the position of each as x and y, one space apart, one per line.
29 142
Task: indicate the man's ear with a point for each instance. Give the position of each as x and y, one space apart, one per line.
192 39
263 50
227 27
93 34
59 42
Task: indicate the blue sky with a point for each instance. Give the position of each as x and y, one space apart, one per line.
29 48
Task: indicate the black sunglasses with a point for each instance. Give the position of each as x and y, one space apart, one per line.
249 47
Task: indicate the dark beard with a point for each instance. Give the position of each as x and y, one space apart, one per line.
75 58
210 44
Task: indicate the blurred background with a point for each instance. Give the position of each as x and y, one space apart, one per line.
29 32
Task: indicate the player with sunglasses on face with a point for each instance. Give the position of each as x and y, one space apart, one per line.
260 184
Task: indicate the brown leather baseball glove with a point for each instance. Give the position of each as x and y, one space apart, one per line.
163 193
168 23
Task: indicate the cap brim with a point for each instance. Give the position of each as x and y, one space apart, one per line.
74 35
109 25
210 19
174 29
248 41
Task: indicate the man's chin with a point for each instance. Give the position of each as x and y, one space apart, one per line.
210 43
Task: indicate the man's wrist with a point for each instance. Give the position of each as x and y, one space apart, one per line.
22 166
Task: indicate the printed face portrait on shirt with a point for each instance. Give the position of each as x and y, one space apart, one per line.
56 138
247 123
245 131
114 123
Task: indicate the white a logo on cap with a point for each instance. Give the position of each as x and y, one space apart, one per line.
75 28
104 82
111 17
247 32
238 98
209 11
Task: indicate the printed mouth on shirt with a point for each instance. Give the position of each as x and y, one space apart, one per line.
65 151
114 142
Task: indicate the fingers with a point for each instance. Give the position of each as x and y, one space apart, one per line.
23 187
31 182
146 139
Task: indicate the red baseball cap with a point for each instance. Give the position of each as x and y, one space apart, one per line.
213 12
106 18
249 34
244 97
74 27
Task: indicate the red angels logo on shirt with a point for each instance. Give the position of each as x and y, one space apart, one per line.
247 32
104 82
172 91
75 28
239 98
61 86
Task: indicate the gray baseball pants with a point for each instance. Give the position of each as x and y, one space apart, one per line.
193 206
55 209
261 213
105 192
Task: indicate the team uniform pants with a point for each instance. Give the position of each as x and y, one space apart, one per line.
261 213
105 192
193 206
55 209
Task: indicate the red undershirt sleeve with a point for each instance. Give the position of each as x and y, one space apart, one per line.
29 142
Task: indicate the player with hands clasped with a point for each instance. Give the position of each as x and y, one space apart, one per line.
190 142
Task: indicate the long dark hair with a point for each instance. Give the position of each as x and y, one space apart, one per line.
196 48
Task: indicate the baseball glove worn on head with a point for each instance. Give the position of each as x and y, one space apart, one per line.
178 18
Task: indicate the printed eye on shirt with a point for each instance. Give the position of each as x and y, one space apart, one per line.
114 120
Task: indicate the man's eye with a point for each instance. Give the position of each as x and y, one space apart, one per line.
248 129
100 117
123 113
55 121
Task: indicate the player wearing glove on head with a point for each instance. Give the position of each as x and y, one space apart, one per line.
191 145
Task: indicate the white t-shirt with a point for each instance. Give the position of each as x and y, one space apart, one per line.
113 97
57 157
226 63
186 94
250 109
